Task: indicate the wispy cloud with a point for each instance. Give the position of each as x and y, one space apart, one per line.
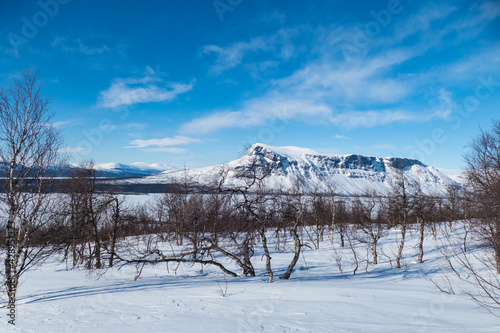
445 104
328 93
483 61
372 118
143 90
231 56
386 146
258 112
422 21
479 15
137 126
380 86
279 45
65 123
171 150
70 150
76 45
163 145
346 82
263 111
489 10
341 137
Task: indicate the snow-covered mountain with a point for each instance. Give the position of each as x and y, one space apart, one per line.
131 170
348 174
119 170
109 170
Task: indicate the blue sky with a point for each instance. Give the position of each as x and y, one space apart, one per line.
194 82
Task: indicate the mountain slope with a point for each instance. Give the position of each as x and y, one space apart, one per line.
348 174
136 169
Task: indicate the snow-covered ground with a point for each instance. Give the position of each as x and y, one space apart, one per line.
318 298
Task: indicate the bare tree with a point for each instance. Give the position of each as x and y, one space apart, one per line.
371 228
475 269
483 175
255 215
478 268
30 157
202 225
336 224
254 201
321 217
455 205
423 208
180 206
400 204
294 212
114 226
89 210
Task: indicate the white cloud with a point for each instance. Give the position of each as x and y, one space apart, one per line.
479 15
317 92
161 143
386 146
143 90
65 123
348 81
227 57
445 104
485 61
422 20
172 150
372 118
489 10
69 150
231 56
259 112
137 126
386 82
76 45
341 137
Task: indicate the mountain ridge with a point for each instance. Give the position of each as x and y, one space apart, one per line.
350 174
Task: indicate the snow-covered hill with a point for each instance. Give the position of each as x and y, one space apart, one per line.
348 174
108 170
131 170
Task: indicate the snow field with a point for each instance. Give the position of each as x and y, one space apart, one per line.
317 298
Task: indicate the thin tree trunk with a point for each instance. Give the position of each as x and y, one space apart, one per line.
421 243
341 233
10 261
296 250
496 244
333 211
74 260
247 264
97 250
401 245
268 256
374 241
355 255
113 237
277 233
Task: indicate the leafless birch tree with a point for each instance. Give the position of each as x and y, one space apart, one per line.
30 156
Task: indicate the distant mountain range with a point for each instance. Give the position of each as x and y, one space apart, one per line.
138 169
347 174
115 170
